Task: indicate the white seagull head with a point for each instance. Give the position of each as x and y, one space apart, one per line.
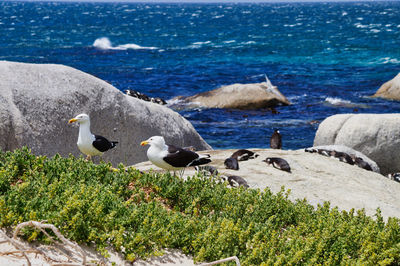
82 118
157 141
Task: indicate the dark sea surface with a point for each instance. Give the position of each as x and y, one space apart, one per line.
327 58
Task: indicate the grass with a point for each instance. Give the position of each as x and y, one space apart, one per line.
141 214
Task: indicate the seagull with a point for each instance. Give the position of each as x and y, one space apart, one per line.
88 143
170 157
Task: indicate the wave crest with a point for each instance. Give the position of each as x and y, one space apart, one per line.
104 43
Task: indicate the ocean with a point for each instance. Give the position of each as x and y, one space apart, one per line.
326 58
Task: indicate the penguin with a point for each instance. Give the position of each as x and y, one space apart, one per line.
244 155
276 140
278 163
235 181
324 152
207 170
361 163
231 163
343 157
394 177
310 150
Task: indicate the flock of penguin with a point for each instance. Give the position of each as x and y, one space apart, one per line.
172 158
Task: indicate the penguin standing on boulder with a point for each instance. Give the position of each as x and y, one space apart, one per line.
276 140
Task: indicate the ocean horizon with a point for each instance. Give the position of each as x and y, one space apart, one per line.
326 58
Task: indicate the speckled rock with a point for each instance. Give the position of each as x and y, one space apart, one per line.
36 101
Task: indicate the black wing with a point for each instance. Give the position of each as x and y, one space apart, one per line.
178 157
102 144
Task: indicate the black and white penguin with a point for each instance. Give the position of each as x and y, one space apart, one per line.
231 163
394 177
276 140
361 163
343 157
244 155
235 181
207 170
311 150
278 163
324 152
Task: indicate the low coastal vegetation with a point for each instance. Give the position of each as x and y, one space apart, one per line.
140 214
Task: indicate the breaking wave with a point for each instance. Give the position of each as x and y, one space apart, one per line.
105 44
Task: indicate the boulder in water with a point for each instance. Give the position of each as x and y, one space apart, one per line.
239 96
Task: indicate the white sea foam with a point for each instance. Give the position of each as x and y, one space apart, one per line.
388 60
105 44
249 42
360 26
296 97
201 43
337 101
375 30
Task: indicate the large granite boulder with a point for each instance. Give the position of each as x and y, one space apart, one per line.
36 101
239 96
314 177
390 89
375 135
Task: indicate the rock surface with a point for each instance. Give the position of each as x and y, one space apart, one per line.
375 135
390 89
36 101
239 96
314 177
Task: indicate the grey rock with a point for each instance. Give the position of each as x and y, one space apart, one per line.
313 177
37 100
390 89
238 96
374 135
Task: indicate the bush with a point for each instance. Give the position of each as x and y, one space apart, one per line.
141 214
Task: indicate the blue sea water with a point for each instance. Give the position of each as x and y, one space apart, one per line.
327 58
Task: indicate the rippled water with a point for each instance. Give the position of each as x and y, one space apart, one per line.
327 58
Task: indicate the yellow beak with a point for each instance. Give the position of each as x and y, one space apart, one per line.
143 143
72 120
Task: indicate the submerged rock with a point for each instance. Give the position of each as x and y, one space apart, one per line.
390 89
36 101
238 96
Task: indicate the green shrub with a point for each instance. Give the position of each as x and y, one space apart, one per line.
141 214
